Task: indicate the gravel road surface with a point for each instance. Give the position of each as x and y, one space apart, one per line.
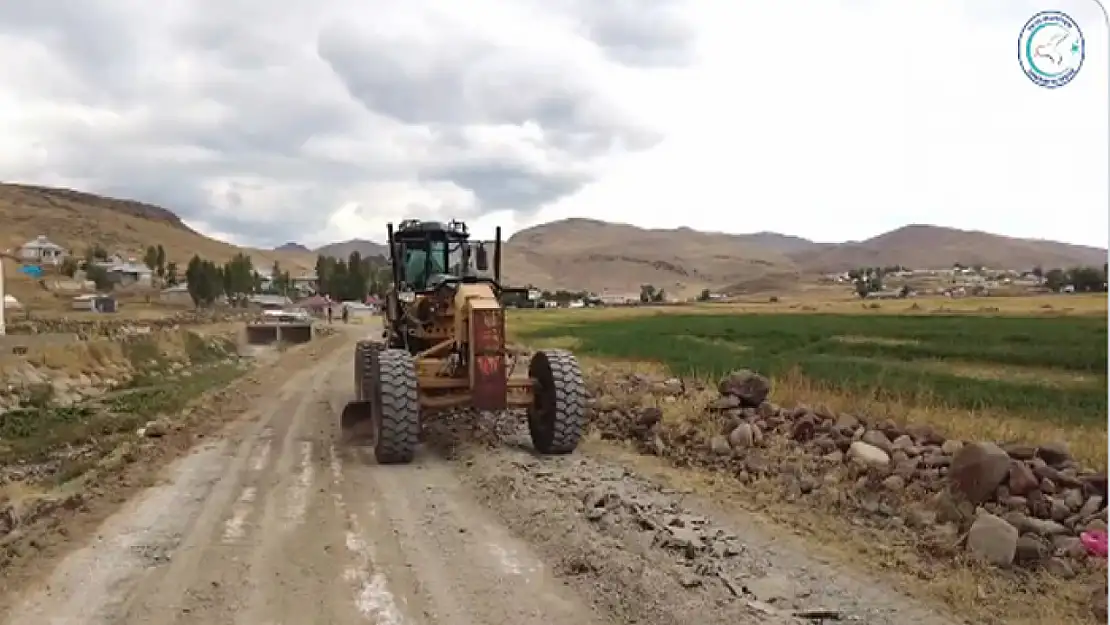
279 522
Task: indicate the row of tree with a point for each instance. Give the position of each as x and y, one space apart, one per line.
352 279
235 280
1082 279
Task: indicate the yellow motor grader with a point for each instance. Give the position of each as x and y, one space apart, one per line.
443 347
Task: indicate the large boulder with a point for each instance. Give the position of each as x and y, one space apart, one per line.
993 539
978 469
747 386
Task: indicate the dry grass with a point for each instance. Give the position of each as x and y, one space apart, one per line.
1041 376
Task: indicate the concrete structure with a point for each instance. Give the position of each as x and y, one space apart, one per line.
95 303
177 294
267 332
42 251
270 302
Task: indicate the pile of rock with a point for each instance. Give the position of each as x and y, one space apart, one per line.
1024 504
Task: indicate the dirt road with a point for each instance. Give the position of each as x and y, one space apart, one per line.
279 522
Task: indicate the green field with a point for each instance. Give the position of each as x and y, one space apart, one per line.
1051 368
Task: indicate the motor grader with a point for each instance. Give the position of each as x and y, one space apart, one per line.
443 347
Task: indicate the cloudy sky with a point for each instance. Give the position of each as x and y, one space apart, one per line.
317 120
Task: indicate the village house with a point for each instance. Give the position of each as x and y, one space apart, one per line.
305 283
130 273
617 299
42 251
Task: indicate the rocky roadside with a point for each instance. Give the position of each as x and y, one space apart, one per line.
73 373
649 552
1017 508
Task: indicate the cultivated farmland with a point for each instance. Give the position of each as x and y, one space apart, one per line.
1004 377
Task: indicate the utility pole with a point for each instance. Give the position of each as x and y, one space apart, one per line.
3 299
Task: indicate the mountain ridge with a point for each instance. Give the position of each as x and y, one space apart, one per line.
575 253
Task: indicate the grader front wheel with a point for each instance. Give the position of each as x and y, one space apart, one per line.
558 411
397 418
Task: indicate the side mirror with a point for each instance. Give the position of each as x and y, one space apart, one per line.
482 260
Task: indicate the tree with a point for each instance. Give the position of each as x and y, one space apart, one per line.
150 259
1086 279
171 273
1055 279
68 266
99 276
237 279
205 281
96 252
704 295
647 293
160 262
1038 272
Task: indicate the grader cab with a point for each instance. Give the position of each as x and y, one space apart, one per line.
443 347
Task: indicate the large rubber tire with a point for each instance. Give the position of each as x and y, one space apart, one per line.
398 408
558 411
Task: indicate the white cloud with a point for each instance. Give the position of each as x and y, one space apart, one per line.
843 122
309 121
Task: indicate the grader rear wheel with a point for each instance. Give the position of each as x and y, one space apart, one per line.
558 411
397 414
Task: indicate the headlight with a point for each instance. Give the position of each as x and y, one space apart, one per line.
407 297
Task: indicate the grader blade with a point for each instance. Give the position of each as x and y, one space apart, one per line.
357 420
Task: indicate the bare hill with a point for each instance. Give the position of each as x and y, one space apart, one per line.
935 247
596 255
292 247
76 220
572 254
599 256
343 249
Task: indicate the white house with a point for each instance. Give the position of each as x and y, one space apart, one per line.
42 250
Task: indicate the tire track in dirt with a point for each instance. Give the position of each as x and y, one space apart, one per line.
203 582
441 555
295 568
373 598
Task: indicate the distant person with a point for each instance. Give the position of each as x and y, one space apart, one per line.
330 314
346 314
